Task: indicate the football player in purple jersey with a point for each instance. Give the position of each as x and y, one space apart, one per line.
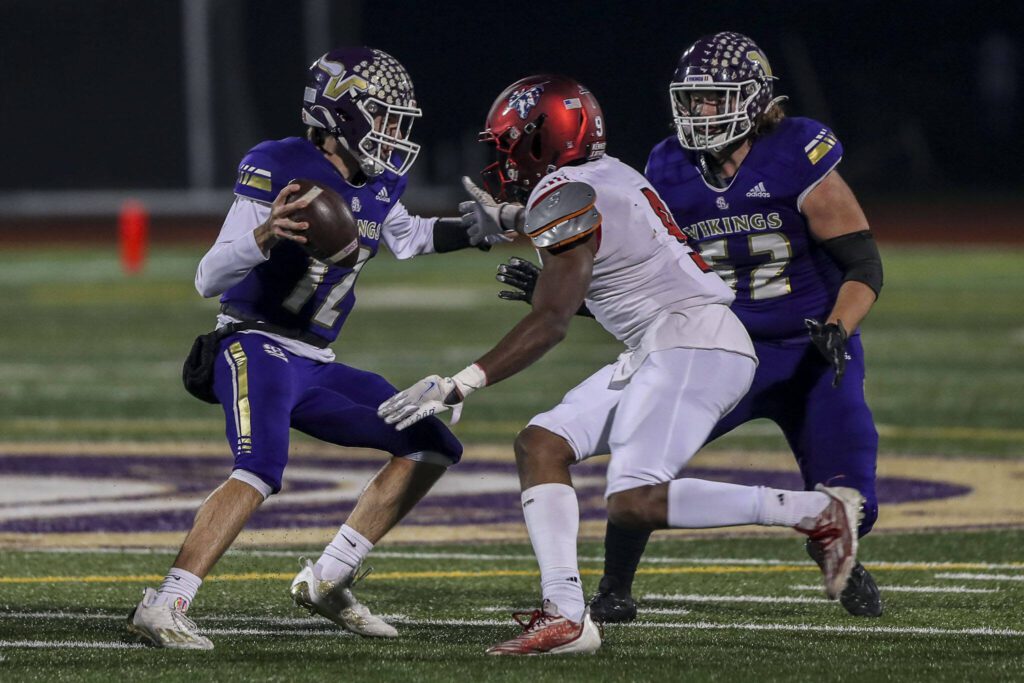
279 373
757 194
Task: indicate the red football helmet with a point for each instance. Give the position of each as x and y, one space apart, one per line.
536 125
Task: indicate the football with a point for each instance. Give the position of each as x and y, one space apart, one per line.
332 236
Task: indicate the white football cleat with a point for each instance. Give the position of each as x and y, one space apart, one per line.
335 601
162 625
834 530
549 633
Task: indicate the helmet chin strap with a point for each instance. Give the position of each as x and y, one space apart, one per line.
716 157
351 167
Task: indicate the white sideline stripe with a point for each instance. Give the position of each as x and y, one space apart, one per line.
414 555
763 599
889 588
65 644
982 577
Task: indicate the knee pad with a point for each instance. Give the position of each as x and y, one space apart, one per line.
432 458
256 481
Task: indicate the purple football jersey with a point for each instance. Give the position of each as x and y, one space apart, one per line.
752 232
292 289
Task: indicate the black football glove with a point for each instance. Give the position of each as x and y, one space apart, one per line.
830 338
522 275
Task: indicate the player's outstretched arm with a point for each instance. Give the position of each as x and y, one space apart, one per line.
560 290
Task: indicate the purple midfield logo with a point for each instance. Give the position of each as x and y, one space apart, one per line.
523 101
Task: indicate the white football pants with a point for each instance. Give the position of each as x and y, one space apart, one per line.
657 421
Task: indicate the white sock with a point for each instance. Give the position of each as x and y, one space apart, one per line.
787 508
178 589
553 519
701 504
342 555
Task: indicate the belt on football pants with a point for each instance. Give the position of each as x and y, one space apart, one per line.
255 324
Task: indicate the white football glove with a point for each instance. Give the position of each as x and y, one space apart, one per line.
432 395
486 221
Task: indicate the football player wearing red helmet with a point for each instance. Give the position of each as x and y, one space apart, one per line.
607 240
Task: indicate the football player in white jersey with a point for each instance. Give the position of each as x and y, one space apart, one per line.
607 240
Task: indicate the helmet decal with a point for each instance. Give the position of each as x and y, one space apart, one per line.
339 85
524 100
757 57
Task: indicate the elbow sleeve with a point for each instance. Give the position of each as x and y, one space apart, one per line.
449 235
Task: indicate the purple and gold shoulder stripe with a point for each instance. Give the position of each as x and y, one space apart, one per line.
821 145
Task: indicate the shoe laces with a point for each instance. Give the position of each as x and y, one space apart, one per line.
357 577
182 622
532 620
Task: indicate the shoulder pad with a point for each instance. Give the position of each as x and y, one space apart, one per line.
268 167
562 214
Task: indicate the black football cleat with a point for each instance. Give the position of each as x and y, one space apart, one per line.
861 597
611 604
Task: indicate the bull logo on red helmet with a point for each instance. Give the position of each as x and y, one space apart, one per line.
523 100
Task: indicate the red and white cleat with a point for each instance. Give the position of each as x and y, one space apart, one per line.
835 531
546 632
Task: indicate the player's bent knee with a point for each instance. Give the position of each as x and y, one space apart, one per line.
640 508
536 445
255 481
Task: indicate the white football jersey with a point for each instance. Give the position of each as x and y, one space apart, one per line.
649 289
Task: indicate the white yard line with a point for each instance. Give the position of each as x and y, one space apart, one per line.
489 557
760 599
814 628
982 577
685 626
663 611
65 644
270 621
890 588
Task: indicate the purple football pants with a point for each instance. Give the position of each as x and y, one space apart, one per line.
831 431
265 391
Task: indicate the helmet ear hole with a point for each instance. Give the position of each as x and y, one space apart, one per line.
536 147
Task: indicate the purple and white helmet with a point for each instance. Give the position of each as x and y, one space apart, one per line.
364 98
732 67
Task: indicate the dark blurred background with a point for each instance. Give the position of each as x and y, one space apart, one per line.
160 99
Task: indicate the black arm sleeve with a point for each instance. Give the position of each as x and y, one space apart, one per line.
450 235
857 255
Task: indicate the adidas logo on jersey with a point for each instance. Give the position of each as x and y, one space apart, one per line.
382 196
758 191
